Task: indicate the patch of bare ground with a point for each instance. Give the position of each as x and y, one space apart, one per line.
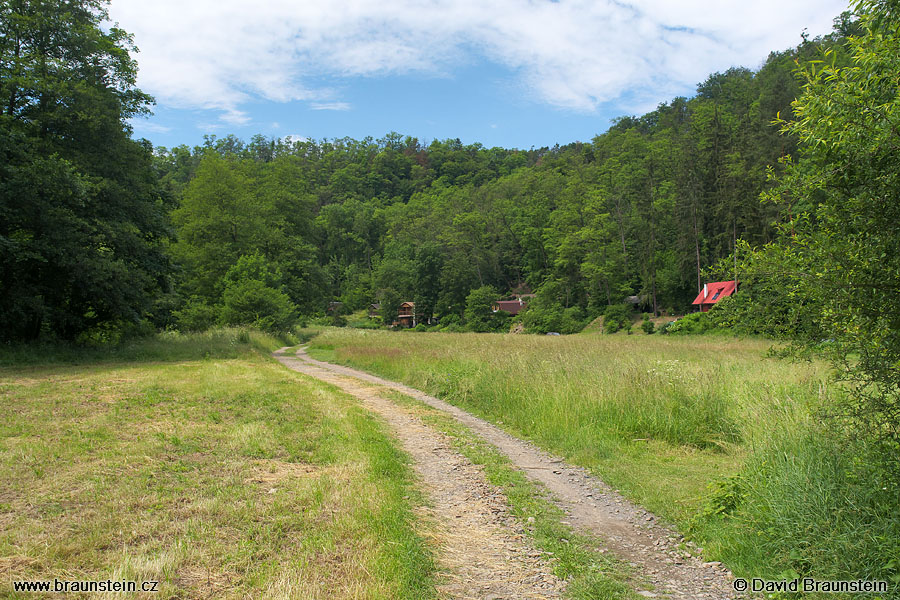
480 549
657 552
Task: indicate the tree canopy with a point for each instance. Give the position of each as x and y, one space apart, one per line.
839 253
83 224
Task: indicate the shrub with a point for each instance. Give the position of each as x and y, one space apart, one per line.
367 323
647 326
698 322
664 328
573 320
615 317
253 303
195 315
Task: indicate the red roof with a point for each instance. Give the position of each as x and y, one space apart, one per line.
713 292
511 306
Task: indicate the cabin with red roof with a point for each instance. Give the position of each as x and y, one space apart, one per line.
513 307
713 292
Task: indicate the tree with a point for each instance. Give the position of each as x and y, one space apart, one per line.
840 250
480 317
254 295
428 275
82 222
252 302
390 305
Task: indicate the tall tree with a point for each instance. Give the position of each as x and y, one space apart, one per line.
841 247
82 223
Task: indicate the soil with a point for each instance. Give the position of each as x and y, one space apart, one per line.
482 546
482 550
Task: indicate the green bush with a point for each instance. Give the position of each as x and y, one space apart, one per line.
665 327
615 317
698 322
544 317
647 326
253 303
367 323
196 315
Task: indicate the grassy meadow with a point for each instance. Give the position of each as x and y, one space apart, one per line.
200 462
727 443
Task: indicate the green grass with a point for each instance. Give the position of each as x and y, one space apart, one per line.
591 575
229 342
650 414
708 432
215 471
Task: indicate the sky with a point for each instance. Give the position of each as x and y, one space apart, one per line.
510 73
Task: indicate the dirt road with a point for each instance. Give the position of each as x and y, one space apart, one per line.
481 546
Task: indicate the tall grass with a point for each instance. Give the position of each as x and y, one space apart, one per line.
227 342
711 433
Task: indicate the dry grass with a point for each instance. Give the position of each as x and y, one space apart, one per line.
227 478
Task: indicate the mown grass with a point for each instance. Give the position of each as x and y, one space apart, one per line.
710 433
218 473
591 575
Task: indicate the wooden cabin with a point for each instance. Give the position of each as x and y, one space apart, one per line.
406 315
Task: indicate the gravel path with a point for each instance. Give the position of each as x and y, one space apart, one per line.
630 532
481 548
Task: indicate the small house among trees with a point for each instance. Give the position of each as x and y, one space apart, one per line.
713 292
406 315
513 307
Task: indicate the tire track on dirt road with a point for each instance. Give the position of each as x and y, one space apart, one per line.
482 554
630 532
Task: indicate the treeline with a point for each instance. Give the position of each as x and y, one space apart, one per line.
101 234
641 210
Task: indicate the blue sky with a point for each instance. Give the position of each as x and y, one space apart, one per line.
512 73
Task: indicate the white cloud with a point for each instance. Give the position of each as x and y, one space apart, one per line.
139 124
329 105
573 54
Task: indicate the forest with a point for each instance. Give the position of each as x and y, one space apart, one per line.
645 209
104 236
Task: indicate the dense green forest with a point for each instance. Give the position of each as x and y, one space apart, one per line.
641 210
102 234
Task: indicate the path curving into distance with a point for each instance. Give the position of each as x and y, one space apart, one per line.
458 491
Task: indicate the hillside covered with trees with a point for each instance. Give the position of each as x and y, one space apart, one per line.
103 235
641 210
